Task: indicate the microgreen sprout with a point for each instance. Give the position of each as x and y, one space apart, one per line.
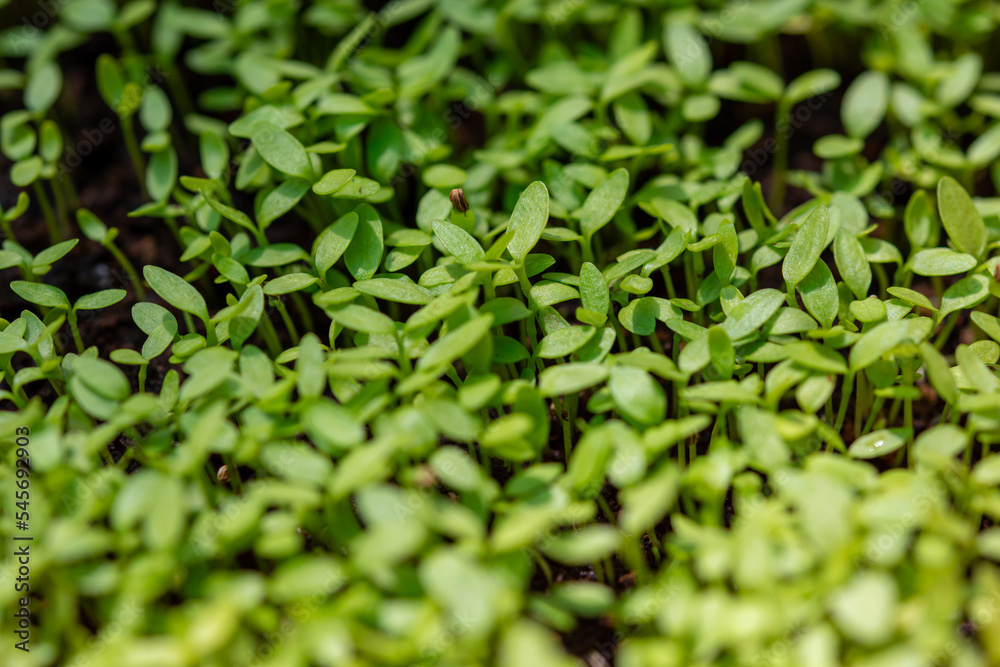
503 333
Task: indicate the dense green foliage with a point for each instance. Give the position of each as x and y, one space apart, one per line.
657 387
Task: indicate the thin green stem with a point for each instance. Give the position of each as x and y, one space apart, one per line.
636 559
67 185
404 357
50 219
270 335
210 336
133 276
873 414
790 295
8 231
234 472
287 319
543 566
63 215
859 403
945 334
525 284
668 281
606 509
908 369
845 395
776 200
128 130
76 330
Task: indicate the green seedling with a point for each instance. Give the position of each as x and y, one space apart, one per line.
466 348
97 231
49 296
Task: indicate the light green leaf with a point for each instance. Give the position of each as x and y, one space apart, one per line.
851 263
444 176
25 172
334 242
281 200
638 396
570 378
688 52
276 254
91 226
458 242
281 150
530 215
456 343
819 294
919 221
884 337
251 308
960 217
398 290
176 291
102 299
603 202
751 313
988 323
161 174
360 318
564 342
230 213
810 84
333 181
53 253
40 294
940 262
364 254
986 148
594 289
865 103
587 545
955 87
45 82
103 378
878 443
286 284
726 252
807 246
965 294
